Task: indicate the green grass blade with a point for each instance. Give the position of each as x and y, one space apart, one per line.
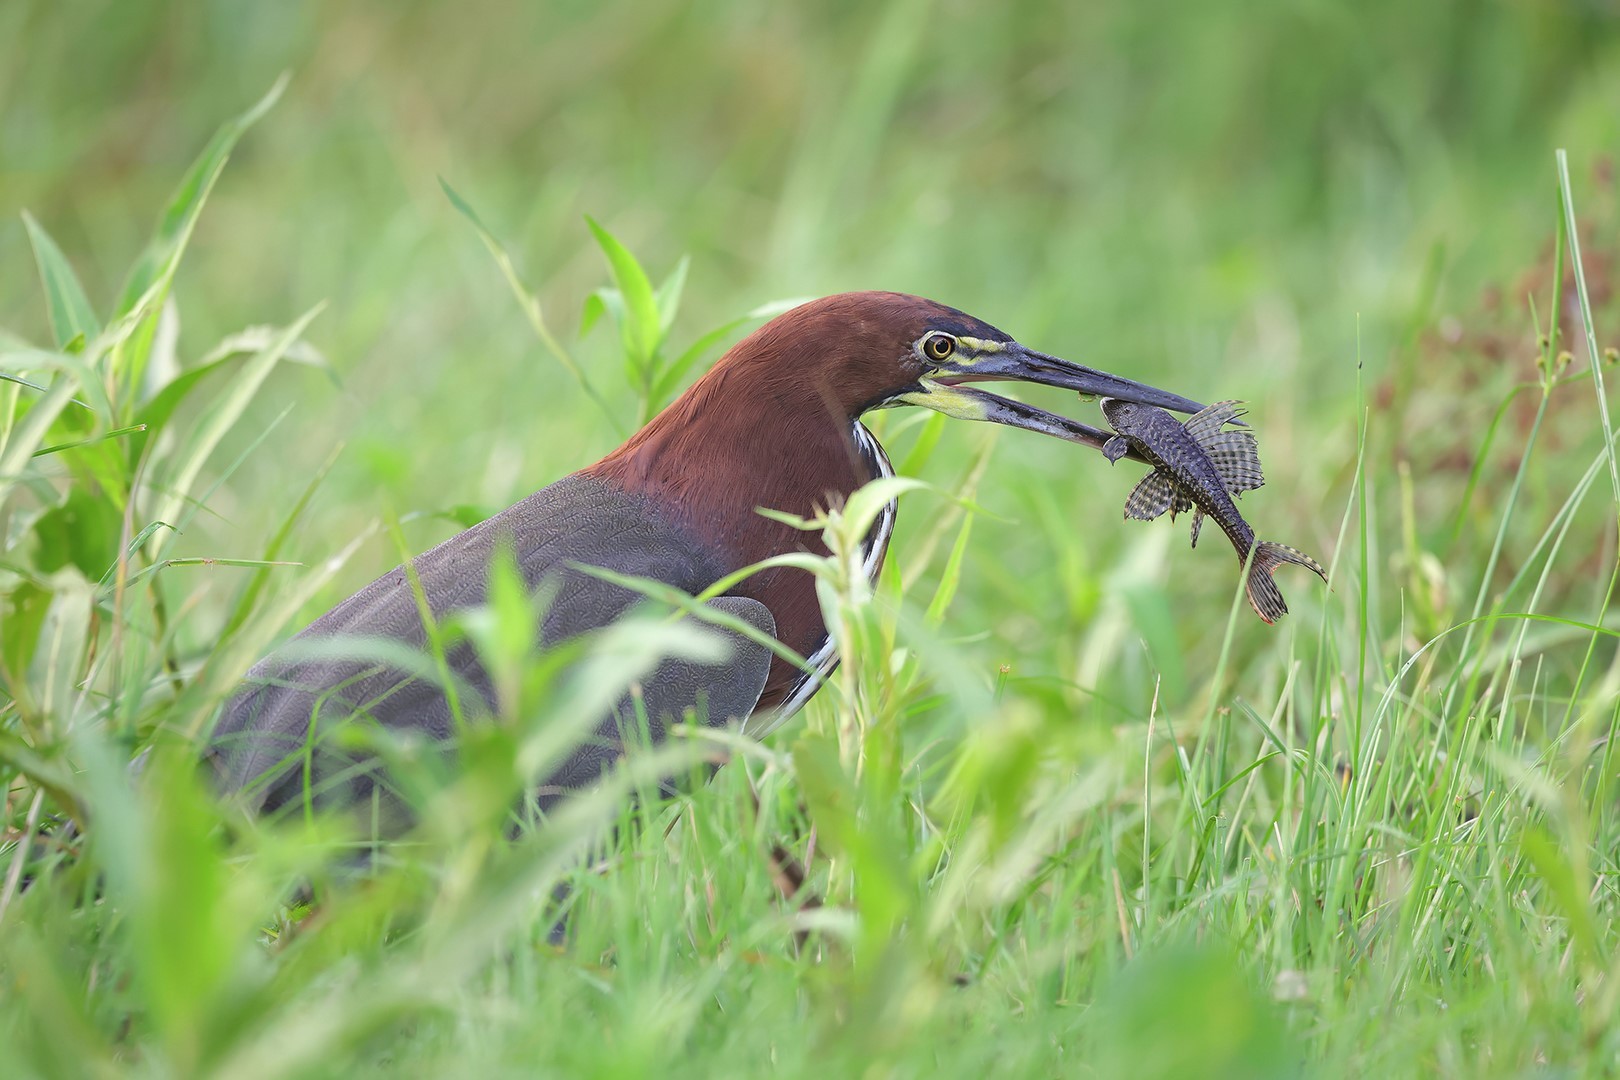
70 312
529 303
218 420
642 334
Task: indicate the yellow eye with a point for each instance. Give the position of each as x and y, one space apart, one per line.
939 346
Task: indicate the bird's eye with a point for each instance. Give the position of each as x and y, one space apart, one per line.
939 346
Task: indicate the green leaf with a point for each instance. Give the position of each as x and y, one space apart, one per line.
672 374
219 419
528 302
33 360
158 410
58 662
952 577
70 311
1568 890
116 433
24 610
669 295
136 315
866 502
83 531
641 328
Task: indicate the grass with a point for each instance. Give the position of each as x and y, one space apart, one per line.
1067 808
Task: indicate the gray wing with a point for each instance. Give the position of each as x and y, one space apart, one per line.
292 714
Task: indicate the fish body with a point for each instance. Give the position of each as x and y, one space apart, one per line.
1200 466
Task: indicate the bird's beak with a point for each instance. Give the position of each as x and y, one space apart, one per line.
942 390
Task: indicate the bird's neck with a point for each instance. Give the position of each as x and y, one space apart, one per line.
736 441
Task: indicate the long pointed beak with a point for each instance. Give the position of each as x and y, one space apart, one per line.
943 392
1014 363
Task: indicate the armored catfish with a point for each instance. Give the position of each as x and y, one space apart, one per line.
1200 466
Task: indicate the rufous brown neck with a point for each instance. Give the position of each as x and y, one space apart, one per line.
753 432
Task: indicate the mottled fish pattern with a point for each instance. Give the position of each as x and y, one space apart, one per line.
1201 465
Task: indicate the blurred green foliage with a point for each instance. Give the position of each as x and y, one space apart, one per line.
1061 812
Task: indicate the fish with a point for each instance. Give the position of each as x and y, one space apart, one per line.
1202 466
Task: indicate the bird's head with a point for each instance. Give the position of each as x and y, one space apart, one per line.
874 350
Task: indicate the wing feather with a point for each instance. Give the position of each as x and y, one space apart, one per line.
296 705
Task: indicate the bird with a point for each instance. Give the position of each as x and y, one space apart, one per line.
776 423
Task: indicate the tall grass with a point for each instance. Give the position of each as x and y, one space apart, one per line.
1379 838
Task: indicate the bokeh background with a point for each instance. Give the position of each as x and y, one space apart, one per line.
1234 200
1343 213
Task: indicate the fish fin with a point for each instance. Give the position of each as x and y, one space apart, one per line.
1262 590
1151 497
1198 523
1116 448
1180 501
1207 422
1236 458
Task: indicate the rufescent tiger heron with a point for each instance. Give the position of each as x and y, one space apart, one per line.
776 423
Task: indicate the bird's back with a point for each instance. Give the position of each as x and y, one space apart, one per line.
260 739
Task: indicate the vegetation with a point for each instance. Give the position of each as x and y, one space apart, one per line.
1067 808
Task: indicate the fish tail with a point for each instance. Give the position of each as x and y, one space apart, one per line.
1262 589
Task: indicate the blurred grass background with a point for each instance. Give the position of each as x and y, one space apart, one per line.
1234 200
1290 203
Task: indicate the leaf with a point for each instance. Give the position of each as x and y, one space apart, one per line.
23 609
952 577
70 311
250 595
157 263
669 295
136 316
219 419
116 433
672 374
27 436
528 302
641 328
31 360
158 410
867 501
57 666
83 531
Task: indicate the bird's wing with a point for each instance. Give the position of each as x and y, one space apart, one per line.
293 709
1152 496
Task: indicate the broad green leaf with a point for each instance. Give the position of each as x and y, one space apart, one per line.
70 311
866 502
22 613
83 531
641 327
156 264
